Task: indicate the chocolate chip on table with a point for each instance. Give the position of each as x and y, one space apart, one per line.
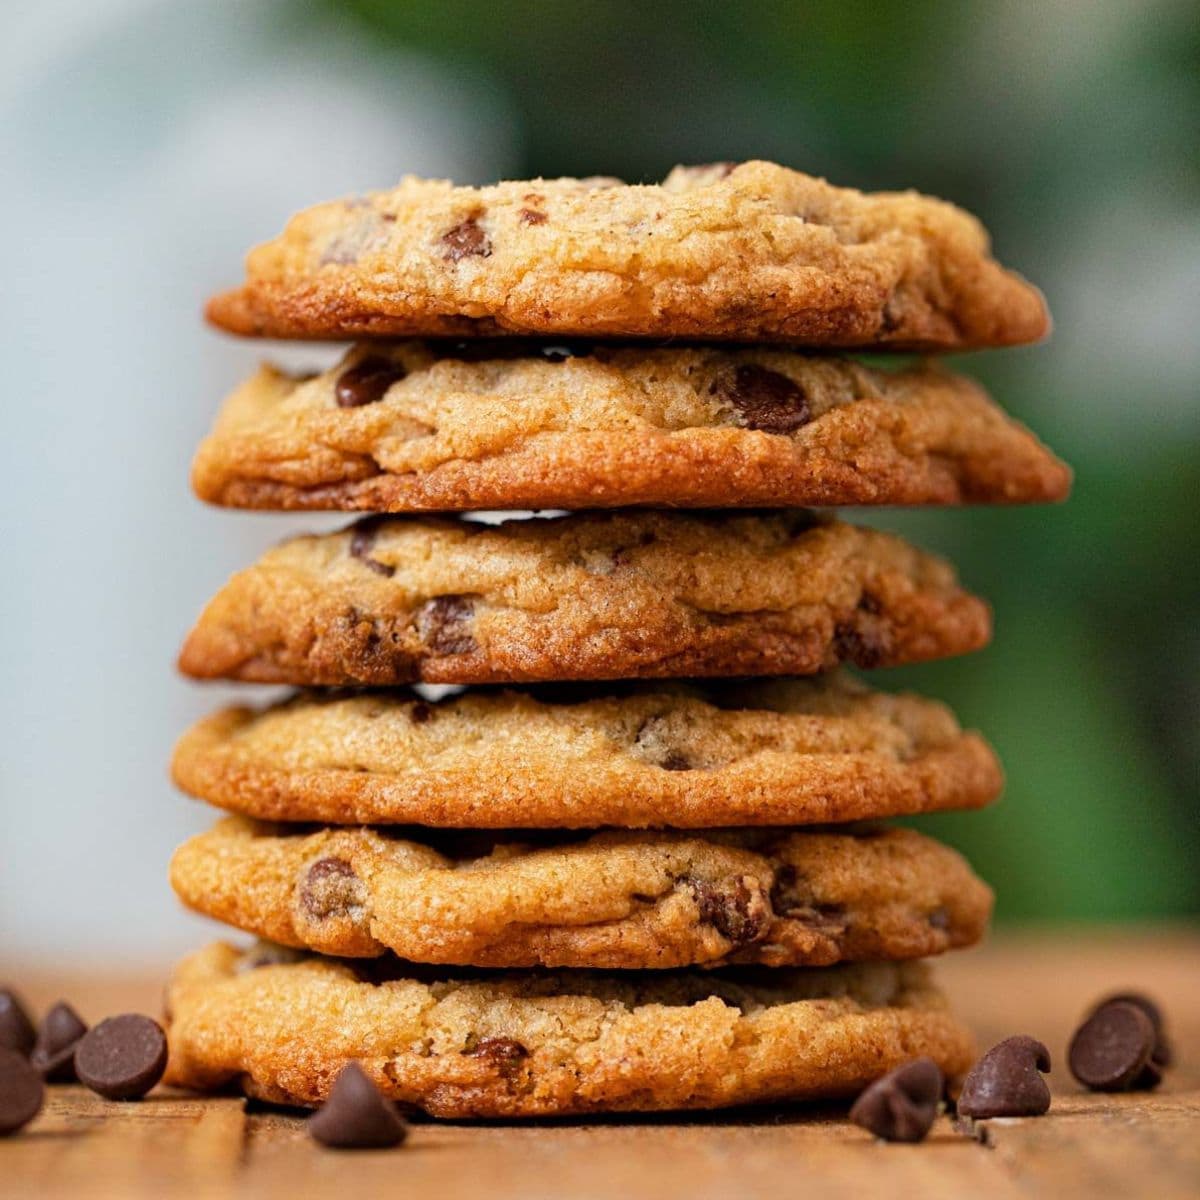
21 1091
123 1057
466 240
1006 1081
1163 1056
357 1116
1112 1049
53 1053
367 381
765 399
902 1106
16 1029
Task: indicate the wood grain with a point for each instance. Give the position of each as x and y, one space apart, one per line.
1145 1144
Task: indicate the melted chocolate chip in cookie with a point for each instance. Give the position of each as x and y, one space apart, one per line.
444 624
736 910
330 888
361 542
367 382
764 399
466 240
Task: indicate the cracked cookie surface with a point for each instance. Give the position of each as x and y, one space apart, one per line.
420 426
608 900
750 252
824 749
517 1044
589 596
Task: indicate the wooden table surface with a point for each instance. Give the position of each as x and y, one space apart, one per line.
1143 1144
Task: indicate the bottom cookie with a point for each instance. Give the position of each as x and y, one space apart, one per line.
532 1044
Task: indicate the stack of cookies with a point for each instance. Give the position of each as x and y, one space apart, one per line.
629 859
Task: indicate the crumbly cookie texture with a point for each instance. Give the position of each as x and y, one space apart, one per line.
784 752
590 596
611 900
749 252
536 1044
420 426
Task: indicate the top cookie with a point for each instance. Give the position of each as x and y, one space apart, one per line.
751 253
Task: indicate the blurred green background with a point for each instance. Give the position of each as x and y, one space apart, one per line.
147 143
1071 129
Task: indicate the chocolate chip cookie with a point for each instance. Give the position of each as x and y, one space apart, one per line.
589 596
422 426
787 752
526 1044
609 900
749 252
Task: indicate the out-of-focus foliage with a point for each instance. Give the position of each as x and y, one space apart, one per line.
1071 129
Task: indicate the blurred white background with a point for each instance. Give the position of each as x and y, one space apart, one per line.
145 146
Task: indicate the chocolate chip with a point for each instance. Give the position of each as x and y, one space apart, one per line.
16 1029
420 713
498 1050
444 624
466 240
1005 1082
357 1116
367 381
330 888
21 1091
1163 1055
1111 1050
863 645
532 216
267 954
123 1057
736 910
939 919
765 399
53 1053
362 542
653 743
902 1106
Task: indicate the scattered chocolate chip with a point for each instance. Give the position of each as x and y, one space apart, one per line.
16 1029
330 888
466 240
902 1106
362 542
367 381
123 1057
420 713
736 910
1112 1049
1006 1082
765 399
444 624
1163 1055
939 919
53 1054
21 1091
532 216
357 1116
